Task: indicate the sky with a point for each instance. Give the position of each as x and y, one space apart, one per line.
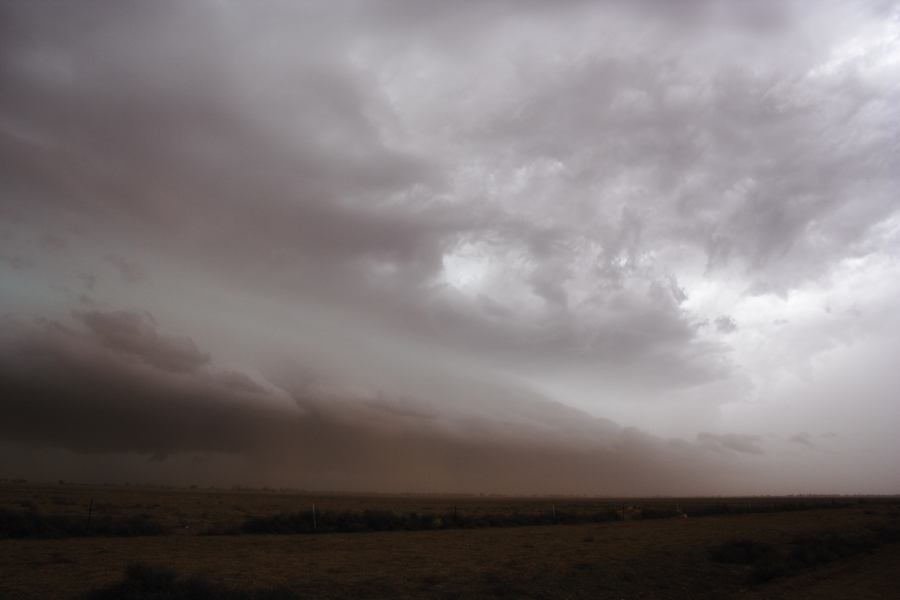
521 247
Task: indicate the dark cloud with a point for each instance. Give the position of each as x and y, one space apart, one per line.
82 391
67 389
574 197
134 335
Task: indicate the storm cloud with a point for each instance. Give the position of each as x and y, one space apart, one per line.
503 233
70 390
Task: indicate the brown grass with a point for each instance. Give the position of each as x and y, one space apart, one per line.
667 558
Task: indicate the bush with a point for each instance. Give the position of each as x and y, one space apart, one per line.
805 551
812 550
385 520
887 534
144 582
33 524
659 513
741 552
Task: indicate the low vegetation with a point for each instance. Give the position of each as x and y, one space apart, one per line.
31 523
441 547
145 582
768 561
385 520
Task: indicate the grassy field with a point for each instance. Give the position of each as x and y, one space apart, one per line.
800 547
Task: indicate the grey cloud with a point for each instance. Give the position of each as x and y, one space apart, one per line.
240 382
55 243
134 335
525 189
179 153
131 271
16 262
66 389
777 172
741 443
725 324
102 404
89 280
803 439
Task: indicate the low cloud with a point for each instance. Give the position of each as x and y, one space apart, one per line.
83 391
130 270
742 443
134 335
802 438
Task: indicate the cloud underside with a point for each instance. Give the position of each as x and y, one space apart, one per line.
69 388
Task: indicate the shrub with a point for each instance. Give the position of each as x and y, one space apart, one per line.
805 551
34 524
741 552
887 534
144 582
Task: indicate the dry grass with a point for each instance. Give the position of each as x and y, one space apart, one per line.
196 510
666 558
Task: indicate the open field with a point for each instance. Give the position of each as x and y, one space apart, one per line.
835 549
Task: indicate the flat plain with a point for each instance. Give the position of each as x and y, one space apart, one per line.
796 548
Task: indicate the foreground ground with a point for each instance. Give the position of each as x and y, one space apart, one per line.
661 558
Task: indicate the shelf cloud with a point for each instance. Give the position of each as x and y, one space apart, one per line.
586 247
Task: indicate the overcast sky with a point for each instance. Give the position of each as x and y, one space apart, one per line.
554 247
